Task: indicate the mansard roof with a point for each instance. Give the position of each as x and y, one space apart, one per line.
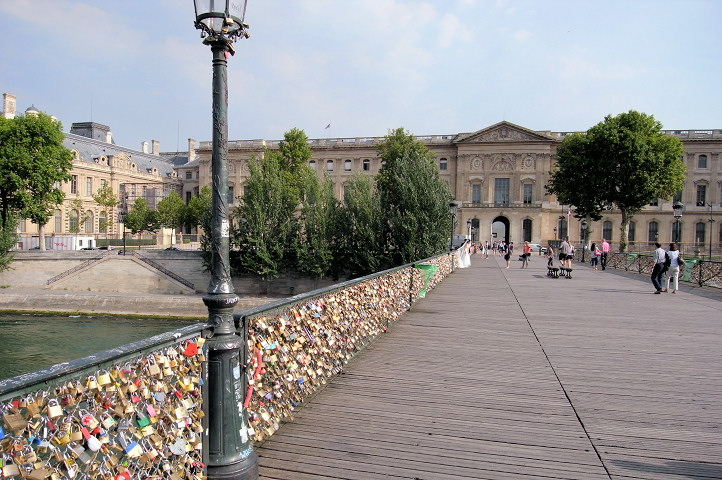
90 149
504 132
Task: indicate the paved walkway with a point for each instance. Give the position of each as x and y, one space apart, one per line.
509 374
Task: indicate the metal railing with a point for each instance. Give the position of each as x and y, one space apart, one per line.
163 270
702 272
79 267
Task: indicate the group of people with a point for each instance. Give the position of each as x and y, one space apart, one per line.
670 263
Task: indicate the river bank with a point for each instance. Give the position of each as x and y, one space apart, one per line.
112 303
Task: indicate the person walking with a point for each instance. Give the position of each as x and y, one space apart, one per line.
526 253
658 270
605 252
550 255
564 251
675 262
594 253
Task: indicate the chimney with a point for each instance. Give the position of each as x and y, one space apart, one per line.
144 147
8 105
191 149
108 137
156 147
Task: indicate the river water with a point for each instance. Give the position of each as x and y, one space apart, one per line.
32 342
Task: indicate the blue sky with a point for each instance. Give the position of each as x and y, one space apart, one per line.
364 67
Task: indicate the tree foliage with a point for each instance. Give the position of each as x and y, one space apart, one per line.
141 218
356 245
106 198
623 162
314 238
171 211
413 199
33 163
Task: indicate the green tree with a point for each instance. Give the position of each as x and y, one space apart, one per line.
76 205
356 226
109 200
313 247
33 163
635 161
263 224
8 240
172 211
413 199
199 213
141 219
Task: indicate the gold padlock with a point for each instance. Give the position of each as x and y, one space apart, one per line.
54 409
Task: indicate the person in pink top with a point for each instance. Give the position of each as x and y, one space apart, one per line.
605 251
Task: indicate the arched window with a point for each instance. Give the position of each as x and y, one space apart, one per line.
367 165
443 164
89 224
607 230
329 165
103 222
631 232
58 221
700 233
73 226
312 164
526 230
347 166
653 232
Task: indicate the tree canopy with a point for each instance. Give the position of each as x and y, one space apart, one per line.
33 164
413 198
623 162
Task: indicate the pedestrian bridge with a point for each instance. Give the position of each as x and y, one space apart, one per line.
510 374
495 374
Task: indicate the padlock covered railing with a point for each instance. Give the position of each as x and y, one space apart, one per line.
138 411
134 411
296 345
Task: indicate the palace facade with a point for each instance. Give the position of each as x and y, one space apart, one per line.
497 175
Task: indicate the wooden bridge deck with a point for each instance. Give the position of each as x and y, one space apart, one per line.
509 374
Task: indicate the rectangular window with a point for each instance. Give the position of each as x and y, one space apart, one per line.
189 195
476 193
89 186
58 221
230 195
74 185
653 232
607 230
527 192
631 233
443 164
189 175
702 161
501 190
701 195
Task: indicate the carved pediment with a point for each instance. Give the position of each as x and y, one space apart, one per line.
503 132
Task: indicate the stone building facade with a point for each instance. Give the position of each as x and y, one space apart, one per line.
498 176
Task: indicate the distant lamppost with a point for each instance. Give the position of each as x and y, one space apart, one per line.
555 234
230 453
585 225
453 207
677 208
711 224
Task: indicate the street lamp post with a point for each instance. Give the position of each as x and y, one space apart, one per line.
677 208
711 224
453 206
230 454
555 234
584 238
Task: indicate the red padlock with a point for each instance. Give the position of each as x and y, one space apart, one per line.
123 476
191 349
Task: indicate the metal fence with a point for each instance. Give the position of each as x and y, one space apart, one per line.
702 272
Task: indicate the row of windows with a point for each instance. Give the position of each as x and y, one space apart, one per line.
700 231
89 181
346 165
